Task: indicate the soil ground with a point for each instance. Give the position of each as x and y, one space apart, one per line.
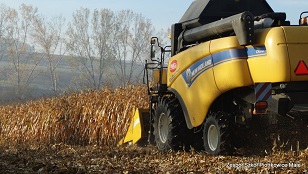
263 148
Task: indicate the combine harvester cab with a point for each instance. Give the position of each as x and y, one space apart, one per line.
230 60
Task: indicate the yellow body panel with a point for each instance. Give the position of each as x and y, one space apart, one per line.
297 43
185 59
232 75
274 66
193 95
203 91
232 72
199 80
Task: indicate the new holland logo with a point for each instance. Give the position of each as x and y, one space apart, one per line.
195 70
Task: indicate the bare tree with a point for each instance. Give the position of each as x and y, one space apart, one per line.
3 30
21 54
48 37
89 44
3 41
120 39
131 45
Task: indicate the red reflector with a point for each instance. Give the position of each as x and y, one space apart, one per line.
301 68
261 105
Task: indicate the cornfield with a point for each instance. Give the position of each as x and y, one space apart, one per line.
78 133
87 118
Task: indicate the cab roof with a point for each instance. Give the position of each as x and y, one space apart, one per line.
203 12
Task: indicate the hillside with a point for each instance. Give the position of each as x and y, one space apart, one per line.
69 78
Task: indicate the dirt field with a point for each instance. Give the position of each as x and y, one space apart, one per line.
93 159
270 149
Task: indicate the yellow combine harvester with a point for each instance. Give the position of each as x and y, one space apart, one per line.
230 60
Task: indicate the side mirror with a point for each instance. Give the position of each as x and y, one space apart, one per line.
152 52
154 42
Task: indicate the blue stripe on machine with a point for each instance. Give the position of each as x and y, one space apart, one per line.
191 74
228 55
256 51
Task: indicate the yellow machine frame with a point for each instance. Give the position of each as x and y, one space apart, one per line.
208 70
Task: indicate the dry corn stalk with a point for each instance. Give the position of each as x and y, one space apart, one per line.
92 117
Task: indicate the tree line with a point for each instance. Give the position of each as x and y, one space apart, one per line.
102 46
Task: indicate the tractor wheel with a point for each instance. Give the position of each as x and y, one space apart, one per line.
169 124
216 133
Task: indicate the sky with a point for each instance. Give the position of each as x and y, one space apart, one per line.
162 13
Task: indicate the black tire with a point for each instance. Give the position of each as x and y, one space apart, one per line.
169 124
216 134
